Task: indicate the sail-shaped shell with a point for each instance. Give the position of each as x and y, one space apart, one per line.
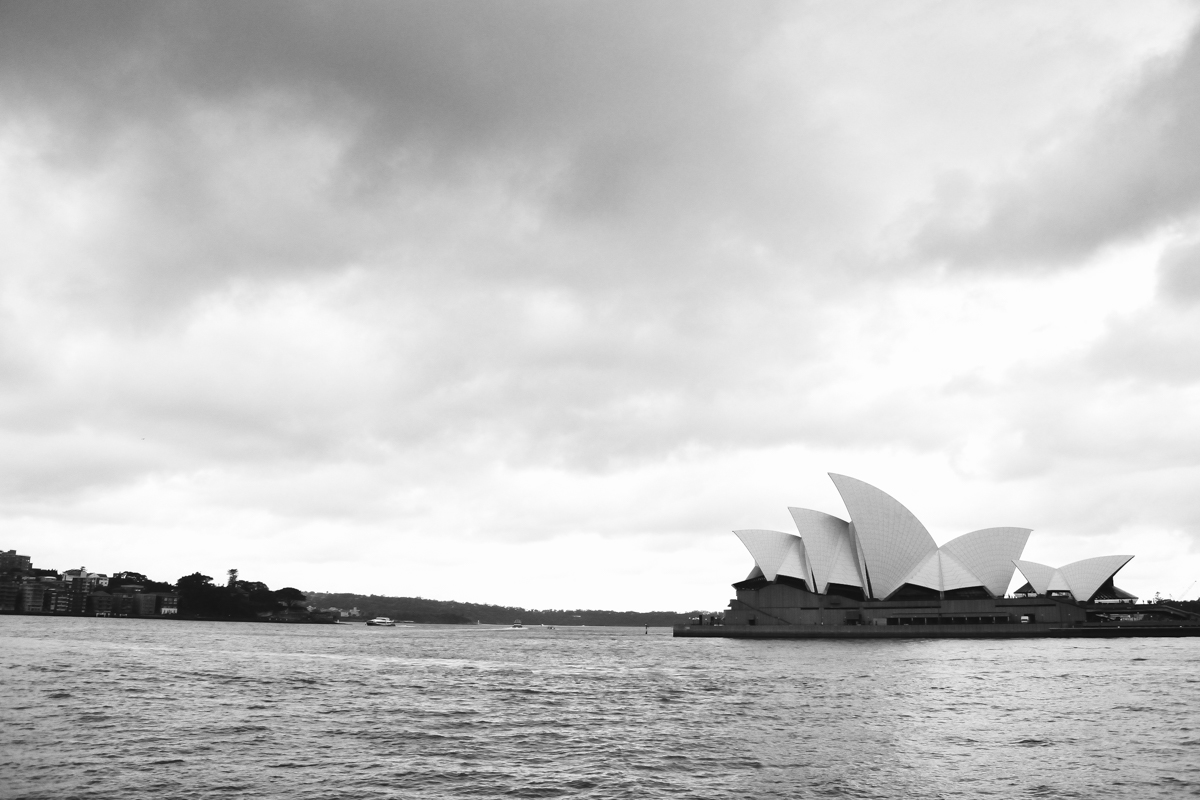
1081 578
955 574
928 573
777 553
1087 576
830 548
893 541
1038 575
942 572
989 554
795 563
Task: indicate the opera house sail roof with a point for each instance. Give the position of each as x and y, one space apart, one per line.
883 551
880 575
1082 579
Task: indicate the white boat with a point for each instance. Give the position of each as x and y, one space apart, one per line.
383 622
516 626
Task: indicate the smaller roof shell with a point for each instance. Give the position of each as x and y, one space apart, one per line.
1081 578
795 563
928 573
955 574
1087 576
989 554
942 572
830 548
1038 575
777 553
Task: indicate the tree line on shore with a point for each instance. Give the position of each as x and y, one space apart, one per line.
450 612
200 597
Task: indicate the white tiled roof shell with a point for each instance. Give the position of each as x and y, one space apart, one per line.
955 574
1086 576
860 561
928 573
894 542
1058 582
1038 575
989 555
942 572
795 563
767 548
776 551
847 566
830 549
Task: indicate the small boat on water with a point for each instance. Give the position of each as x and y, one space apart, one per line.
382 622
516 626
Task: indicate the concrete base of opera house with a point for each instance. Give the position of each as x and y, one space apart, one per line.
764 610
994 631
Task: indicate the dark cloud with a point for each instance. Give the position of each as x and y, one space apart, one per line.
453 75
461 160
619 148
1129 172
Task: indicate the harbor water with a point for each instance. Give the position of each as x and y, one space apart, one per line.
127 708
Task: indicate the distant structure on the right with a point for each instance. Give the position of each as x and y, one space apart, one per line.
881 575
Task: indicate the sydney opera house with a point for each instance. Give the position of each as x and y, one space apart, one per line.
881 575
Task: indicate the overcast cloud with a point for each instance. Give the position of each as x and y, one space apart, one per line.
533 303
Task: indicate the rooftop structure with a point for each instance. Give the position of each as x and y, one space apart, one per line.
10 561
880 575
883 552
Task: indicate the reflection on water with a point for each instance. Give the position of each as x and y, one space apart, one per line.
146 708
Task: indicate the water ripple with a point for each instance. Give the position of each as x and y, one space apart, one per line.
134 708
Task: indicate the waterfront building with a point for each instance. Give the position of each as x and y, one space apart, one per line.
57 598
32 598
10 562
131 601
100 604
165 604
91 580
881 573
144 605
122 604
10 593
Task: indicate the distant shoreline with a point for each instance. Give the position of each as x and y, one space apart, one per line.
357 622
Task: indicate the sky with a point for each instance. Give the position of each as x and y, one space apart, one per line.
533 303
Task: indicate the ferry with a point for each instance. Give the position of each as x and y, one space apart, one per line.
382 622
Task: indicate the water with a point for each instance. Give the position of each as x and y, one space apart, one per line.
100 708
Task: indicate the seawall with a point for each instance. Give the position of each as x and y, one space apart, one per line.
994 631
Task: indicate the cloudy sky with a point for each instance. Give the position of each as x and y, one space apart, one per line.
532 303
